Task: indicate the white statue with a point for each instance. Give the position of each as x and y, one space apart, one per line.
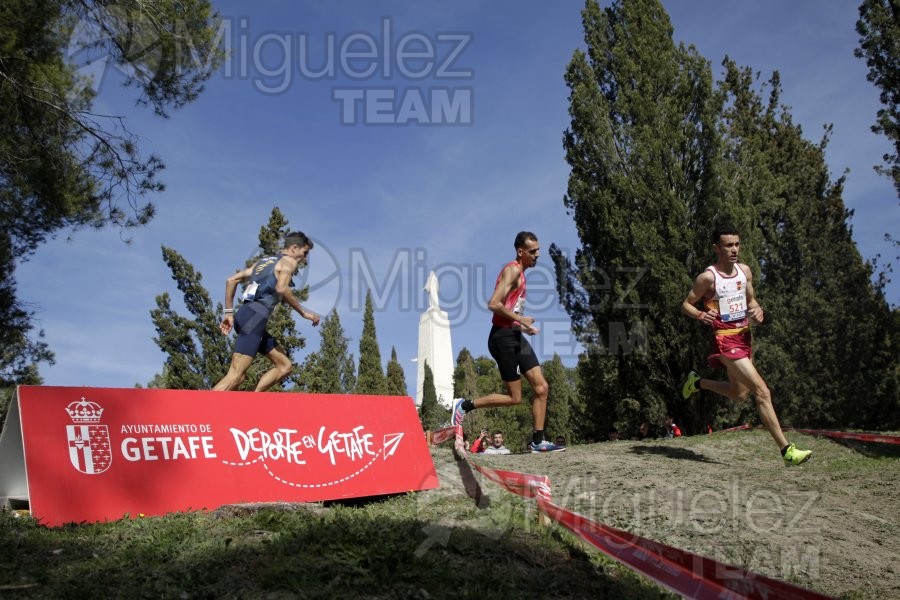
431 286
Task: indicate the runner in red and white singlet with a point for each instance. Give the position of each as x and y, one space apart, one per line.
510 348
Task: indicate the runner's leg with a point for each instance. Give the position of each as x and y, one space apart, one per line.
733 390
539 403
281 369
744 372
235 375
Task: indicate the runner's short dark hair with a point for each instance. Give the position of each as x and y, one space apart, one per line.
720 230
299 238
522 237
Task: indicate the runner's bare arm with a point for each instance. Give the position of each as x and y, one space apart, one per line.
230 286
754 310
283 272
702 284
508 282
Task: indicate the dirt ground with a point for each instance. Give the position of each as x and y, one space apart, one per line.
831 525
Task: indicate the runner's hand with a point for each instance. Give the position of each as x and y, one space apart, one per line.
708 316
526 324
756 314
227 324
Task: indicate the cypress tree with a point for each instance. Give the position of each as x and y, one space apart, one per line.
395 378
807 269
371 377
562 401
879 44
197 354
431 414
642 149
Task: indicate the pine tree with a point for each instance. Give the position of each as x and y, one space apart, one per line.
371 377
396 378
330 369
64 165
197 353
20 351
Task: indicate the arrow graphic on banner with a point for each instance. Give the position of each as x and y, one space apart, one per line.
391 441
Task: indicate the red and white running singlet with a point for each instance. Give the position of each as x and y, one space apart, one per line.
729 298
515 301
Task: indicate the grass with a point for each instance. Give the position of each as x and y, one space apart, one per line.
378 550
443 544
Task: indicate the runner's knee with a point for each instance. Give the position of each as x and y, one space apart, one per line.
762 394
284 370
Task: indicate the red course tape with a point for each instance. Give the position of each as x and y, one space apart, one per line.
685 573
879 438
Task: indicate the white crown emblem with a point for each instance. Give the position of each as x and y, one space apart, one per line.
84 411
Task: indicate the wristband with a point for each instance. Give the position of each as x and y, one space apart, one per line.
700 315
228 311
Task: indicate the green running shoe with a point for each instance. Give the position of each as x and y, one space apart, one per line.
690 386
792 456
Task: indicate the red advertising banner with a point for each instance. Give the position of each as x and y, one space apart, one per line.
93 454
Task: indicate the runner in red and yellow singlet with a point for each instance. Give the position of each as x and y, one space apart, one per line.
727 303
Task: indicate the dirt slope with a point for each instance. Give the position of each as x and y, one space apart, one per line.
832 525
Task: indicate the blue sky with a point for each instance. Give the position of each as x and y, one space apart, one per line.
387 203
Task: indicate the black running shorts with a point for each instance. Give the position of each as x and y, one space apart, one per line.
512 352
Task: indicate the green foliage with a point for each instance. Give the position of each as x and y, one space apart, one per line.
20 352
330 369
30 376
64 166
465 380
371 378
563 402
431 414
643 152
658 158
879 44
395 380
197 354
487 377
842 372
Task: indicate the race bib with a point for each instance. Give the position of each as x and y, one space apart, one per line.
519 306
733 307
250 292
